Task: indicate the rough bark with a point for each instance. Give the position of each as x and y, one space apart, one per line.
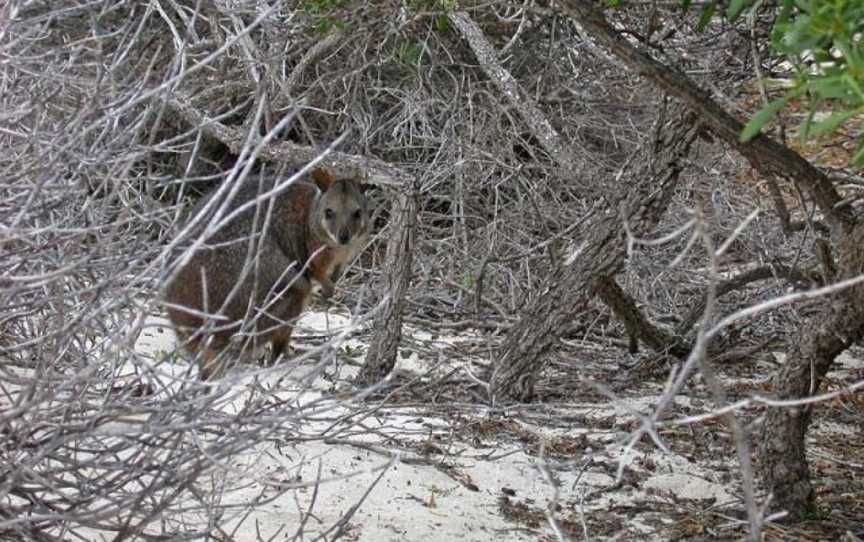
381 357
818 341
569 288
765 155
638 327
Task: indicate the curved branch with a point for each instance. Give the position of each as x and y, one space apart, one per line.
738 282
765 155
537 122
374 171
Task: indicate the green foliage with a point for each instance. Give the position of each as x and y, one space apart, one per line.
468 281
824 42
831 123
321 7
735 8
324 24
172 357
814 512
409 53
706 15
352 351
761 118
441 23
321 11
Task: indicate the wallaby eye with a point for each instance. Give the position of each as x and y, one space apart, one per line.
329 214
357 214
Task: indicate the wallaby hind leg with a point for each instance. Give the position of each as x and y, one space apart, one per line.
214 363
288 310
279 343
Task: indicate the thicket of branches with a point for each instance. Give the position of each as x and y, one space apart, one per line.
510 128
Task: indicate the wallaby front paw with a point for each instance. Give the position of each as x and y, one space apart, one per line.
301 284
327 290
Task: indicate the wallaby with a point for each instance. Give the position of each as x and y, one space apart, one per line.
253 275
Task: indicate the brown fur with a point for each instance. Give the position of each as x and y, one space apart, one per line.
216 295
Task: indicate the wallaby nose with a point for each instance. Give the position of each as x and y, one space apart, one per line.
344 237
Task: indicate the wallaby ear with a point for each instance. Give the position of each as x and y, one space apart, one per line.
357 184
323 179
358 181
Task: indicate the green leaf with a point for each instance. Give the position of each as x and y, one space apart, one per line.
735 8
804 134
852 83
409 53
831 123
829 87
685 5
761 118
785 12
858 159
705 16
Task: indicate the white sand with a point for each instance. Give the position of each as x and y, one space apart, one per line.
419 501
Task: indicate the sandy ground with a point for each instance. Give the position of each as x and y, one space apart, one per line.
556 471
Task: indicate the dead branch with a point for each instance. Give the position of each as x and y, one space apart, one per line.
373 171
638 327
742 280
381 356
568 289
537 122
764 154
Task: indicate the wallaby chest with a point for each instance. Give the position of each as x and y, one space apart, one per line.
327 261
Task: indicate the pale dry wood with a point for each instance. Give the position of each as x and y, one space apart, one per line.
528 109
371 170
384 347
569 288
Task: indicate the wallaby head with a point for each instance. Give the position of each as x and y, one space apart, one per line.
340 215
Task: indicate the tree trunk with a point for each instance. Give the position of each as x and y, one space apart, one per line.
818 341
766 156
569 288
381 357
